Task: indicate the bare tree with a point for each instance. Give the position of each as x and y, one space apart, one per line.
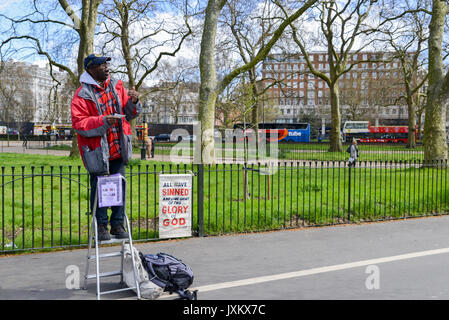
405 30
210 87
251 25
341 24
66 27
16 103
129 27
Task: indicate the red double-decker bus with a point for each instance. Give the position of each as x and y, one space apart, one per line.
385 134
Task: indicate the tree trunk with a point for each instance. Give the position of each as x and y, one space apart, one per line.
208 95
435 147
411 124
335 134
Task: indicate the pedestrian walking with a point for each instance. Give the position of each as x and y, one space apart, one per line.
353 151
24 141
149 143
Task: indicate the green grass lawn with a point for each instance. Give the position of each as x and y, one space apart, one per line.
44 199
298 151
309 151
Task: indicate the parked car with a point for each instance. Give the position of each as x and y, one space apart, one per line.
162 137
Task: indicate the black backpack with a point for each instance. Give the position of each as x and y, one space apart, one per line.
170 273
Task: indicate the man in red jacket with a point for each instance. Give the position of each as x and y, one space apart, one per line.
101 111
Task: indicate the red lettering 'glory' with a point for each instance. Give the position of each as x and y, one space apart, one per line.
174 209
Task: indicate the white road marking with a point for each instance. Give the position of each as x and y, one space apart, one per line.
308 272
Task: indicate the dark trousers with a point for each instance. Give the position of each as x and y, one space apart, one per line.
117 216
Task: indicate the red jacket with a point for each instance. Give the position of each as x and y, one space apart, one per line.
91 126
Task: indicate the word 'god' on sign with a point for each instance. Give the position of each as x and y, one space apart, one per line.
175 205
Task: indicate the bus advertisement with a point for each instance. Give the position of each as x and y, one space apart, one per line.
354 129
365 133
282 132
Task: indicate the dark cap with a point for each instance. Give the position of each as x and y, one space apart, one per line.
94 59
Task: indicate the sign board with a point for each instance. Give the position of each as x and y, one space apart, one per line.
175 205
110 191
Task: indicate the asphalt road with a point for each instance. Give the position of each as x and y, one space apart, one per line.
406 259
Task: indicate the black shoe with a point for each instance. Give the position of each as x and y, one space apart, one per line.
119 232
103 234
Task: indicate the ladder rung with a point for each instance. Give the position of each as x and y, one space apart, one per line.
107 255
118 290
111 241
104 274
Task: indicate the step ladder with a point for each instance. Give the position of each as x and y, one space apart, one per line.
93 237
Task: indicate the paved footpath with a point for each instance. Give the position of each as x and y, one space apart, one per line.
404 259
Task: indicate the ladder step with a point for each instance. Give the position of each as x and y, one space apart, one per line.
107 255
104 274
118 290
112 241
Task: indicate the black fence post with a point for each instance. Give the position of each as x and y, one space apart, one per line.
200 200
349 194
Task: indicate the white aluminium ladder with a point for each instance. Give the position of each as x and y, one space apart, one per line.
93 236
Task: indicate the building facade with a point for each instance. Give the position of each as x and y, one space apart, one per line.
171 103
368 91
